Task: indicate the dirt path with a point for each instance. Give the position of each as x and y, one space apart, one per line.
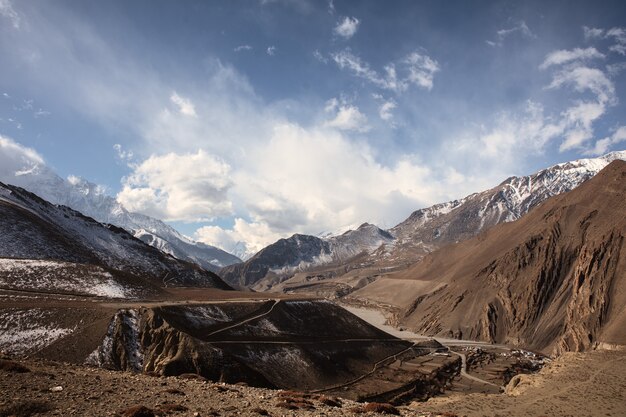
242 322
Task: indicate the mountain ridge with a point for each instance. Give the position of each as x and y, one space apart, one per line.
92 200
553 280
425 229
71 250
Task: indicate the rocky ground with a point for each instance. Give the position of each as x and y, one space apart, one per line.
575 384
35 387
582 384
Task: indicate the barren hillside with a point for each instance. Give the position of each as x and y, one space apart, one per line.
554 280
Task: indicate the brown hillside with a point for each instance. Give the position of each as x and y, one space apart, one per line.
554 280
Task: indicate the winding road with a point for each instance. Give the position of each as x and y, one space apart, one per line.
377 319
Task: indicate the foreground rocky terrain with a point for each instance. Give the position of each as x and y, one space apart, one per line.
577 384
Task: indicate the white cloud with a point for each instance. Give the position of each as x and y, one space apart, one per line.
616 34
602 146
321 58
190 187
521 28
579 121
271 50
592 33
347 27
243 48
386 109
564 56
348 117
41 113
331 7
583 79
7 10
422 69
126 156
415 69
615 69
17 160
299 179
244 236
185 106
619 36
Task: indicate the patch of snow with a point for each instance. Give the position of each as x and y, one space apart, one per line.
58 276
25 331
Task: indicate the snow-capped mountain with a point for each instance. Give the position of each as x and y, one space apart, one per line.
453 221
422 232
301 252
38 238
92 200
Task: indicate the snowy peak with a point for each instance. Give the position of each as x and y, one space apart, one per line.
366 238
461 219
93 200
34 229
302 252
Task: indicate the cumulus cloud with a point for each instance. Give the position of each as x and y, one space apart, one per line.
564 56
190 187
347 117
414 69
7 11
347 27
271 50
185 106
300 180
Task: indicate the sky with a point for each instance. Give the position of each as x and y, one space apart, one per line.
248 121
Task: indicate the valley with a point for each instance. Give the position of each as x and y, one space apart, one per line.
488 318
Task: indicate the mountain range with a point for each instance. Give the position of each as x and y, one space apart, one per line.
375 251
52 248
553 281
92 200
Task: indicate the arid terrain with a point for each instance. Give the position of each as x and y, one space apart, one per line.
108 325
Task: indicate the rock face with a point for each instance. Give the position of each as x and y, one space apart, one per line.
286 344
554 280
69 247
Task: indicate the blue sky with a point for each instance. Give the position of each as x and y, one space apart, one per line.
252 120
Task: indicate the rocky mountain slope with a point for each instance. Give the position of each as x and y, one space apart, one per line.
283 258
93 201
454 221
54 248
554 281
